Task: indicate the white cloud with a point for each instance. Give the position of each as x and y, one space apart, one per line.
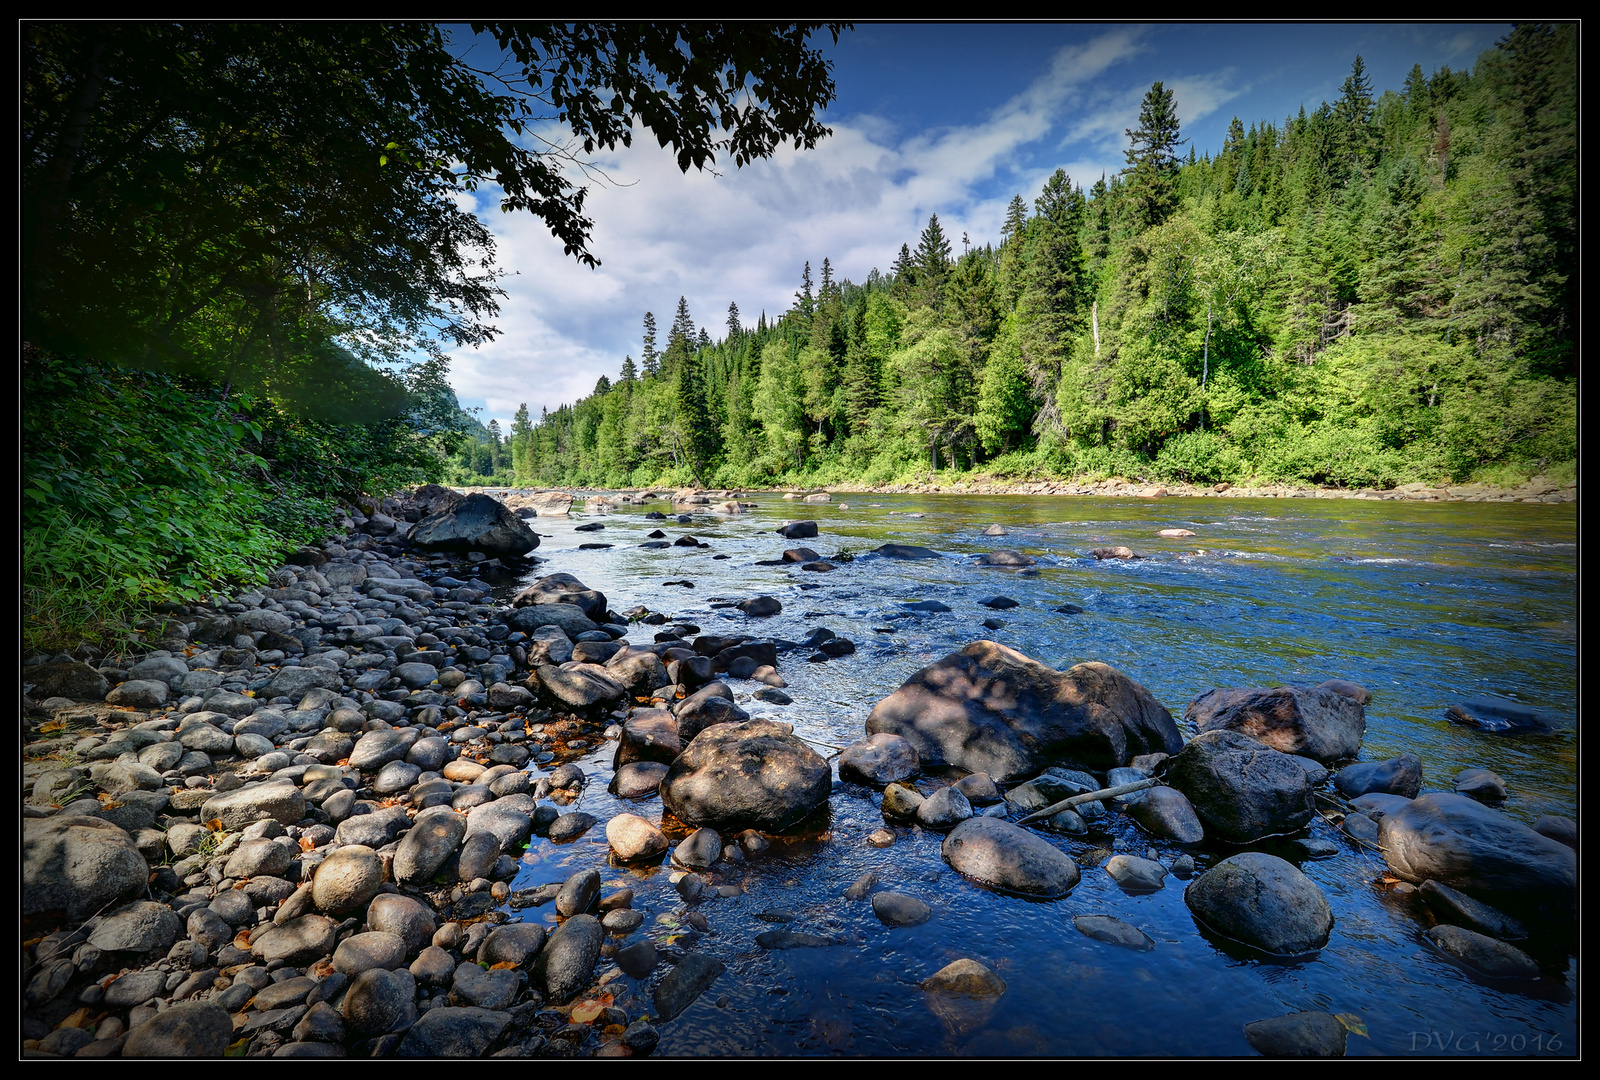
743 236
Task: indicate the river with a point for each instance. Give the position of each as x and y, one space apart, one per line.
1422 603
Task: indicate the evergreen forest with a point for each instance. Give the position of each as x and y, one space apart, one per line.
1379 290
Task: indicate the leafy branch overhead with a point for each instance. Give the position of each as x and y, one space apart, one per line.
228 198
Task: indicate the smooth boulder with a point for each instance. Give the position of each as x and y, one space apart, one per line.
476 523
1009 858
1262 901
989 708
1317 722
1486 854
1241 789
754 774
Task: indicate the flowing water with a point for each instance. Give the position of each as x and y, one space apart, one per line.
1422 603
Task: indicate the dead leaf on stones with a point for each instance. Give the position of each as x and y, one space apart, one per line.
239 1049
503 965
215 825
587 1012
307 844
52 725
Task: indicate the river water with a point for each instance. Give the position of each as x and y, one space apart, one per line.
1422 603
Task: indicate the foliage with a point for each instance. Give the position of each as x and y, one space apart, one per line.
1374 291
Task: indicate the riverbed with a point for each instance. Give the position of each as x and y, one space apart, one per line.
1424 604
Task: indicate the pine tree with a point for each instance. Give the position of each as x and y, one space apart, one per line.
905 274
735 329
1151 178
932 262
629 372
650 358
1357 142
804 302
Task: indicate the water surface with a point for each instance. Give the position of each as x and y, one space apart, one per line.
1424 604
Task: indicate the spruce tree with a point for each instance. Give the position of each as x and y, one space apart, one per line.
735 328
1151 178
650 358
932 262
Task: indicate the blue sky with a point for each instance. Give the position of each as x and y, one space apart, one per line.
951 119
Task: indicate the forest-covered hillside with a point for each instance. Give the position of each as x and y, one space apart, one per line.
1379 290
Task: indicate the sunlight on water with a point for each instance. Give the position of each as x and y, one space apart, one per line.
1424 604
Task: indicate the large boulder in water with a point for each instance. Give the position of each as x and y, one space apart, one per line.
754 775
988 708
563 589
1242 789
1484 853
476 523
1263 901
1318 722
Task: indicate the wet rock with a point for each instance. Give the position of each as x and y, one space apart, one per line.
77 865
966 977
1262 901
878 760
898 909
754 774
563 589
1009 858
363 952
998 603
1006 557
638 779
800 555
1113 931
1318 722
566 964
710 705
797 530
1484 954
980 789
472 986
900 801
570 619
759 606
1499 715
944 809
906 551
1117 552
1166 812
649 735
699 850
693 975
638 959
1457 908
1561 829
991 709
1298 1035
581 686
1241 789
1400 776
568 827
1491 857
188 1030
1174 534
1481 784
632 838
1134 874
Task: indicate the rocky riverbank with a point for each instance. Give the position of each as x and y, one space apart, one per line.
296 825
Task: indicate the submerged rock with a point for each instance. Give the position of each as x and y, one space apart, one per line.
878 760
989 708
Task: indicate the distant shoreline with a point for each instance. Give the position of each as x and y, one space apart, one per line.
1536 490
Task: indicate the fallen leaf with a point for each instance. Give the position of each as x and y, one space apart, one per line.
215 824
52 725
504 965
1352 1023
307 844
238 1049
587 1012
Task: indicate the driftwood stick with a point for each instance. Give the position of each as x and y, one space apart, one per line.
1088 796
